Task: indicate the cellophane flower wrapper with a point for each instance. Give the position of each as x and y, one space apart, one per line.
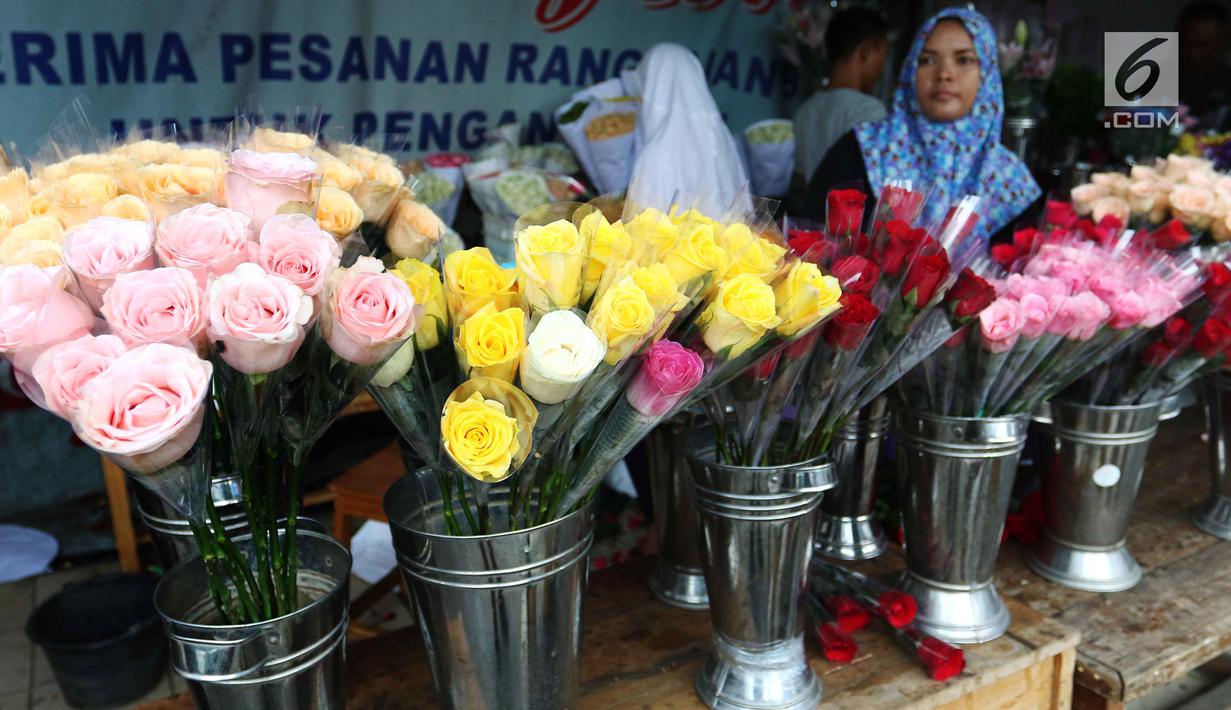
895 607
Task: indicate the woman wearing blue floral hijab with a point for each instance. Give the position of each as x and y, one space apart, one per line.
943 130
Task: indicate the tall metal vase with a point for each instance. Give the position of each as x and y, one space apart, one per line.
846 527
1091 460
956 481
678 579
1214 515
500 614
295 661
757 524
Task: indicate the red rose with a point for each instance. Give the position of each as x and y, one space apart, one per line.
837 645
1171 235
1025 239
1157 354
855 273
1177 331
763 368
1213 336
942 660
958 233
850 614
1217 282
926 275
1019 527
898 608
903 242
800 240
969 295
844 213
848 327
800 347
1004 254
902 203
1059 214
957 338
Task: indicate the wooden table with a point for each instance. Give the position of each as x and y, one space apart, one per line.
1179 617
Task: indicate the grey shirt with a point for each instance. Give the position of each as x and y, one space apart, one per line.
822 120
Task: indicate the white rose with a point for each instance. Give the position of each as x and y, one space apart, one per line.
560 354
396 367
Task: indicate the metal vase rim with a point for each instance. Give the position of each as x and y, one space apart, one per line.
815 475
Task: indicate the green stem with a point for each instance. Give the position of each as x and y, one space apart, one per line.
290 550
213 573
461 494
248 492
237 567
446 496
270 530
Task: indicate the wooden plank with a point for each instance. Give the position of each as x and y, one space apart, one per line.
121 516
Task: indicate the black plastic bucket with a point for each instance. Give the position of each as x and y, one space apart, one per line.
103 639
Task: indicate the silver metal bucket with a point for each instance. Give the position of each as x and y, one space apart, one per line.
1091 460
956 481
500 614
678 579
294 661
846 527
756 534
170 533
1214 515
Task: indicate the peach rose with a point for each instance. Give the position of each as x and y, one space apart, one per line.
259 184
146 409
103 248
368 314
206 240
15 193
258 319
128 207
1111 205
294 247
1115 183
413 229
337 212
170 188
63 370
1194 206
163 305
1083 197
35 313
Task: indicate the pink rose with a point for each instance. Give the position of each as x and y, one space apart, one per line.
368 312
63 370
1036 314
1128 309
1079 317
258 184
100 249
295 248
206 240
257 318
35 313
1160 298
1000 324
668 372
159 306
146 410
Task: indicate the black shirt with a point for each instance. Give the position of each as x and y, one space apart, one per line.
842 167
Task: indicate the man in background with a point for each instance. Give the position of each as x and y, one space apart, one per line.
1205 79
856 43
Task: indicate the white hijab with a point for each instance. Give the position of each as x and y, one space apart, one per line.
682 144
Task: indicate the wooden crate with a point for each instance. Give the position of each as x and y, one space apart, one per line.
1179 617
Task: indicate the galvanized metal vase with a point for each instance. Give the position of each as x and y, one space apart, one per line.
846 527
678 579
757 524
1214 515
170 532
956 481
500 614
1090 460
295 661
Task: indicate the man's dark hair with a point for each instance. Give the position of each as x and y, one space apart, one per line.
1199 11
850 28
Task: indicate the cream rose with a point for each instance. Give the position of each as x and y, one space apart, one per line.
1193 206
15 193
1083 197
414 229
269 140
381 177
338 213
335 173
560 354
149 151
80 197
169 189
1111 205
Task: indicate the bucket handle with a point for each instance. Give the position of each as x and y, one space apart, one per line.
269 659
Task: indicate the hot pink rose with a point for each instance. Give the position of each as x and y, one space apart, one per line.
104 247
158 306
1078 317
1000 324
63 370
668 372
146 410
368 313
257 318
258 184
294 247
35 313
206 240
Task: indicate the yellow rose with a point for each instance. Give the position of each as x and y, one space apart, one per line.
622 317
549 265
490 342
15 193
742 311
660 288
413 228
426 287
654 228
126 207
750 254
805 296
692 215
696 255
609 243
337 212
169 188
473 279
149 151
335 173
268 140
481 437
